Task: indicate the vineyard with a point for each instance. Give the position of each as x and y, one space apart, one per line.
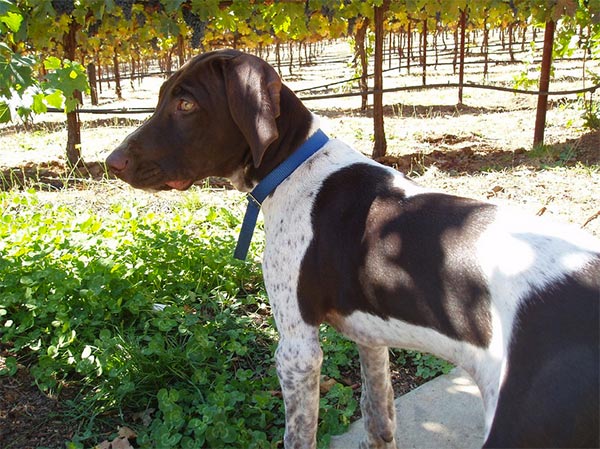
124 320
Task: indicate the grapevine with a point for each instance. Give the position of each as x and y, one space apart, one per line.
133 31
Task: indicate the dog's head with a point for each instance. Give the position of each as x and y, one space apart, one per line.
216 116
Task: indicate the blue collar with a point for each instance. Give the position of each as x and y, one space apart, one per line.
269 184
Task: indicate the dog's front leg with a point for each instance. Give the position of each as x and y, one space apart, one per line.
298 360
377 400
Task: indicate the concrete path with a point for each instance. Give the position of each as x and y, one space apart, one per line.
445 413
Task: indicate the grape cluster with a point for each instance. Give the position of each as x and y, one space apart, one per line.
140 18
126 6
351 25
93 28
154 43
198 27
63 6
328 13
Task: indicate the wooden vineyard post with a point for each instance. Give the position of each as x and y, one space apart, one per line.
461 64
380 145
542 105
424 60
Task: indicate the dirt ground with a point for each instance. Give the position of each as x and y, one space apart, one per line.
481 149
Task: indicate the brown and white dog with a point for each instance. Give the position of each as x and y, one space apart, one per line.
512 299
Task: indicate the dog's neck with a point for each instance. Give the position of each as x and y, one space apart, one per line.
295 125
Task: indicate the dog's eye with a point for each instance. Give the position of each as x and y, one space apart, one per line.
185 105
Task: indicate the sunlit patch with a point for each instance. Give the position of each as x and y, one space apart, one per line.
434 427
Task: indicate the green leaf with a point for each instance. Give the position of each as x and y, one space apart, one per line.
11 367
52 63
7 6
38 106
12 20
55 99
4 113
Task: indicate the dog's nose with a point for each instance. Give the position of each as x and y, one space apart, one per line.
117 161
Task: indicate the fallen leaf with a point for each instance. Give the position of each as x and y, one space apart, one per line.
126 432
590 219
104 445
145 416
494 191
327 384
121 443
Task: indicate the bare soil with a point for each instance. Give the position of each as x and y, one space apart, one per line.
30 418
480 149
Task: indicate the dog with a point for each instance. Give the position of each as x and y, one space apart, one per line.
512 299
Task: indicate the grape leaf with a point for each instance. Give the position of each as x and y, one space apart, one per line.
4 113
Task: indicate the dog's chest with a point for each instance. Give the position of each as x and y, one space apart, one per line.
289 229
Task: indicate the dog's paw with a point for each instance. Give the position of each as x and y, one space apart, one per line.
378 443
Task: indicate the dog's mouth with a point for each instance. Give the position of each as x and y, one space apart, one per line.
179 184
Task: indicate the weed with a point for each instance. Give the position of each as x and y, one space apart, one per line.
591 115
553 155
591 107
428 366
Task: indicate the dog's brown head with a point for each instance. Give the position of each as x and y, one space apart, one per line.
226 114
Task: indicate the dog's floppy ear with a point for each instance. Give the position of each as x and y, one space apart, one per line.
253 91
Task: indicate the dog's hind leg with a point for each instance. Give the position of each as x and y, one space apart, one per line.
298 360
377 400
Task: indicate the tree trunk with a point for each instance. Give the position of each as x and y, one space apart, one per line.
400 42
73 127
180 50
278 58
542 106
361 54
118 90
510 42
408 46
435 47
291 61
91 72
485 46
380 145
456 47
74 139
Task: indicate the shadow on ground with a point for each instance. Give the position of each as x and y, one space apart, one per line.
460 155
452 154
